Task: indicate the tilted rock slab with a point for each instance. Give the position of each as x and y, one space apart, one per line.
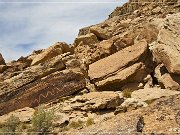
120 68
56 85
9 87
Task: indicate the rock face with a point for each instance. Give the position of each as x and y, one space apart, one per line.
41 91
121 67
167 50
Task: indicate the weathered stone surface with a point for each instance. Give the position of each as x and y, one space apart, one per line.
20 64
86 39
25 115
117 61
122 43
169 57
101 33
121 67
100 100
145 7
130 74
10 86
55 50
93 101
90 53
41 91
95 51
167 50
132 104
166 80
152 93
159 117
2 68
2 61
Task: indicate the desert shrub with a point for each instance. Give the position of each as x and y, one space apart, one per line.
127 93
42 120
150 101
10 125
76 124
89 121
23 127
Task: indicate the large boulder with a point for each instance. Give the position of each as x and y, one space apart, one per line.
55 50
165 79
86 39
167 50
122 67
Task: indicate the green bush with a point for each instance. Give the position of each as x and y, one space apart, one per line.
89 121
127 93
10 125
76 124
42 120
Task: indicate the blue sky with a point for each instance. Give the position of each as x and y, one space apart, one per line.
27 25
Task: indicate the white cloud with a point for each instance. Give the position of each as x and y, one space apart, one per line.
25 27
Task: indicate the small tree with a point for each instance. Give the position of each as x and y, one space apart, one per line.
42 120
11 125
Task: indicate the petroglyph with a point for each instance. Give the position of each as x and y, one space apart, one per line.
41 91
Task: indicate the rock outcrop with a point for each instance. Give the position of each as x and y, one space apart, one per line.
125 66
41 91
167 50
